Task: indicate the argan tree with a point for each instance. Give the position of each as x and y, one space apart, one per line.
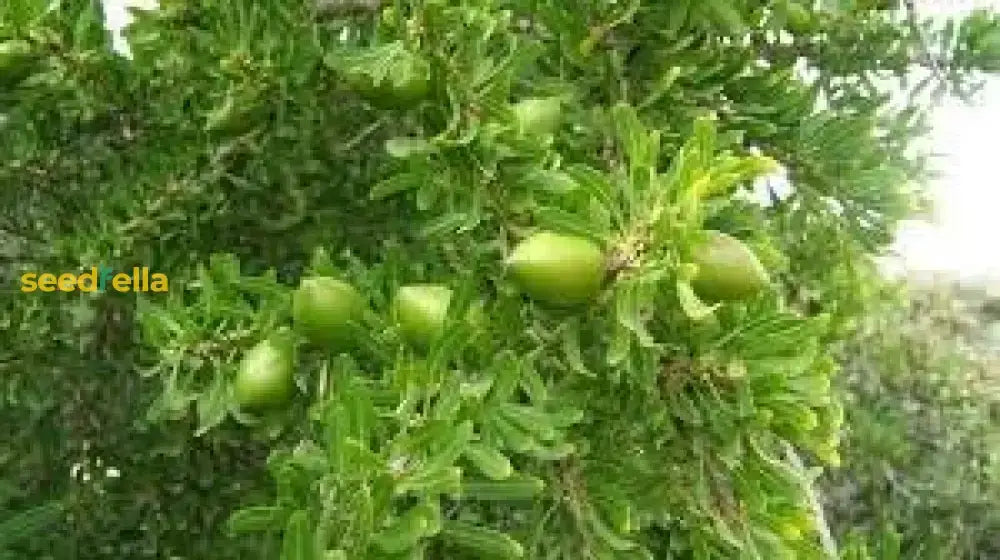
449 279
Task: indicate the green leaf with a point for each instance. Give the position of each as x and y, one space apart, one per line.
555 452
321 264
631 304
430 510
631 134
514 488
531 420
480 541
450 224
396 184
557 219
553 181
403 534
513 436
378 62
725 15
606 534
489 461
456 443
447 480
693 306
571 349
677 15
406 147
891 545
298 540
29 523
213 406
257 518
593 182
620 347
703 140
566 417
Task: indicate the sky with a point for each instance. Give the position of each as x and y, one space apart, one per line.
963 233
962 236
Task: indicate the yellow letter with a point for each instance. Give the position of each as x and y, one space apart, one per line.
91 276
47 282
67 282
159 282
121 282
28 282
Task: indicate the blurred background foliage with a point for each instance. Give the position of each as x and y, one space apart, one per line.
920 455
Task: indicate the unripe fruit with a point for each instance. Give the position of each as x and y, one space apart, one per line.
538 116
265 375
421 311
558 269
799 19
727 269
323 309
395 91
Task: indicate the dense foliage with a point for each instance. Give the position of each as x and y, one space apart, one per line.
514 405
920 472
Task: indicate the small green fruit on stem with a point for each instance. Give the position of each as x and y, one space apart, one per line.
558 269
538 116
420 311
397 91
323 309
265 375
727 269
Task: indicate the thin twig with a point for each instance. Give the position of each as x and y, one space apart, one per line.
931 62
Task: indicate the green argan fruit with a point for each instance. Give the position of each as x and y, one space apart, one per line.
323 309
799 19
397 91
558 269
538 116
727 269
264 378
420 312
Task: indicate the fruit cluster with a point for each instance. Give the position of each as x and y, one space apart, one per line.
552 268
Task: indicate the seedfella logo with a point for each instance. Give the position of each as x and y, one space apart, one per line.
97 279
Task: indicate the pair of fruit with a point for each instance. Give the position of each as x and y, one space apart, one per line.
564 270
326 311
